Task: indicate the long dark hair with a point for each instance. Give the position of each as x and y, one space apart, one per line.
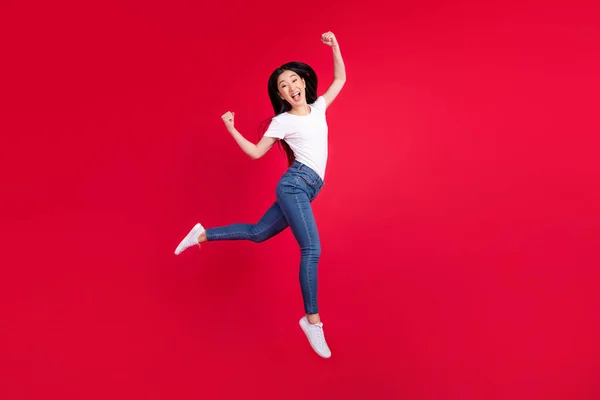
280 106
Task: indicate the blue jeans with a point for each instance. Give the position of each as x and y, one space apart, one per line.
296 189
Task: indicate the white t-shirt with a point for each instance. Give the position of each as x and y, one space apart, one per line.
306 135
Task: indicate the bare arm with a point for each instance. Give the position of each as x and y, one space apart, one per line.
254 151
339 69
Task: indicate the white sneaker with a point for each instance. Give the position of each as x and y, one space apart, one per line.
316 337
191 239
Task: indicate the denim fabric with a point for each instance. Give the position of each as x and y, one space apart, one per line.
296 189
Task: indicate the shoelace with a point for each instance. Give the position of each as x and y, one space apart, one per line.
321 334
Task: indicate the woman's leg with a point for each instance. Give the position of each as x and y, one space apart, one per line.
298 211
271 223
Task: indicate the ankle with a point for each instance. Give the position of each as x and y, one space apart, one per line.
202 237
313 318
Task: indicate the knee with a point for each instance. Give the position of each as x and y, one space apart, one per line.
312 251
256 235
258 238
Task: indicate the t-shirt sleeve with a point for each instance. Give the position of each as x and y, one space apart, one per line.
275 129
320 104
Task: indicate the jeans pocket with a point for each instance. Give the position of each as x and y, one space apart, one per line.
311 187
310 181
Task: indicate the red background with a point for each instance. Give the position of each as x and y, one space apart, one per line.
459 221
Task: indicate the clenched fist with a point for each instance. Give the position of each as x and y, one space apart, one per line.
329 39
228 119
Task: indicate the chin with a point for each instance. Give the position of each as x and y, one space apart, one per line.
298 104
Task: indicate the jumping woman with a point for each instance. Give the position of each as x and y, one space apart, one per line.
300 126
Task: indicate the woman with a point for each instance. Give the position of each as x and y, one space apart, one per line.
300 126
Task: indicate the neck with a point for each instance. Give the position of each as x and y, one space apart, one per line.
300 110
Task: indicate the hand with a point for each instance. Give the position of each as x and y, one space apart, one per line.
228 119
329 39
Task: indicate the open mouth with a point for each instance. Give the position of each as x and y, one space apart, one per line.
296 96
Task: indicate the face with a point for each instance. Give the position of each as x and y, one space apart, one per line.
292 88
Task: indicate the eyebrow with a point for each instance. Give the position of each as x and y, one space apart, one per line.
291 76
